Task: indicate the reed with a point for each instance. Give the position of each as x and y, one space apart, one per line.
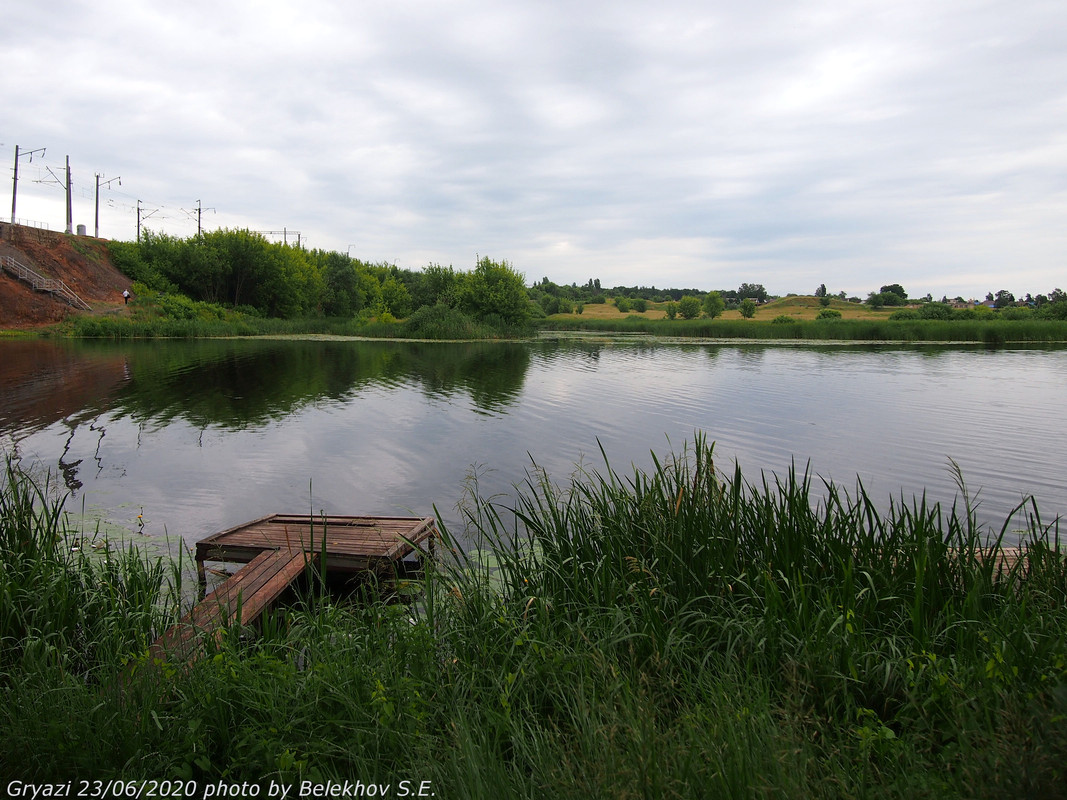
995 332
673 632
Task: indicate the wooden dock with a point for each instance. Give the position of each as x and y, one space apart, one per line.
276 550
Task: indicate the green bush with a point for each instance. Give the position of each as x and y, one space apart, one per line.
1015 313
782 319
690 307
1057 310
904 314
829 313
440 321
935 311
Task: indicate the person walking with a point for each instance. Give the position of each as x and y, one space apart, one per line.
125 297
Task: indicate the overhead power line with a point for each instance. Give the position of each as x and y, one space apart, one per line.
15 183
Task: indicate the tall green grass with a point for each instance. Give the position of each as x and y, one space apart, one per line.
62 609
674 632
997 331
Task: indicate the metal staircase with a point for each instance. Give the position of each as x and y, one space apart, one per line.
41 283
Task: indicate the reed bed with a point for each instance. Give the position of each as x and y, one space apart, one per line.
992 332
675 632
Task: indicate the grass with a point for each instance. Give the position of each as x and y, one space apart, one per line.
860 330
858 322
676 632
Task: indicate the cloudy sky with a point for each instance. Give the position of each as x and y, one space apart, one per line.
669 143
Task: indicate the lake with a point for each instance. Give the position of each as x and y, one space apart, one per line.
181 439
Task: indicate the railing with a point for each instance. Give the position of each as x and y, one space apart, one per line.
41 283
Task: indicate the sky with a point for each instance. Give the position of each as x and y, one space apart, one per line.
676 143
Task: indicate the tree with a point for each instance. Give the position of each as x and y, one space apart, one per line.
1004 299
824 301
342 296
495 289
689 307
671 309
898 290
879 299
821 291
436 284
748 308
713 304
396 298
753 290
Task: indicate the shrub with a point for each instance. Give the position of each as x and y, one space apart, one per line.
783 319
935 311
623 304
550 304
829 313
690 307
713 304
640 305
1057 310
440 321
1015 312
904 314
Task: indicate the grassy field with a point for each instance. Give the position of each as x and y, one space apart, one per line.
680 632
801 308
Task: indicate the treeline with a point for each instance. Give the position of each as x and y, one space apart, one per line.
241 270
556 298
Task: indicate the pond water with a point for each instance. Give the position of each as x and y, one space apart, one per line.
198 436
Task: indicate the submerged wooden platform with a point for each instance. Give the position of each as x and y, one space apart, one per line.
276 550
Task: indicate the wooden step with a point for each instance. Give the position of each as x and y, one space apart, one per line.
243 597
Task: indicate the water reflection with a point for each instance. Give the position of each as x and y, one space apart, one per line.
209 434
239 384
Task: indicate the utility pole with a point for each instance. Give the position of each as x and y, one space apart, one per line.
65 183
199 212
15 184
146 216
70 216
106 184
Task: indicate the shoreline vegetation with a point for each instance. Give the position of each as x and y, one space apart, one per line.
236 283
677 632
154 317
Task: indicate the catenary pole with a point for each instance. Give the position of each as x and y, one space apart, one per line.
70 216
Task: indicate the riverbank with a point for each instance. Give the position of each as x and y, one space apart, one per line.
679 632
989 332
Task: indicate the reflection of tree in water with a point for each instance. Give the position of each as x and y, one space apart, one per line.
238 384
491 373
69 469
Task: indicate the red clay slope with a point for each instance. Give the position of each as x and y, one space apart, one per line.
81 262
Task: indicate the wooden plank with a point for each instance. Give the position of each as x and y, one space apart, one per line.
247 593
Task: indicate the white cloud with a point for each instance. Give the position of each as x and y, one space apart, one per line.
682 143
